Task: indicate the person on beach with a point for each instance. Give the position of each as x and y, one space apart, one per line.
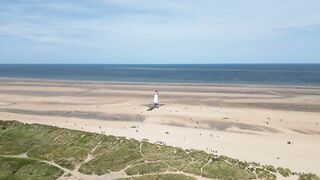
156 99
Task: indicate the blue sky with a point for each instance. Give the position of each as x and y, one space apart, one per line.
160 31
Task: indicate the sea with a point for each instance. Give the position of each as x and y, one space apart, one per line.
247 74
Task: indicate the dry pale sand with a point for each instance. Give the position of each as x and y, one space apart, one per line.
250 123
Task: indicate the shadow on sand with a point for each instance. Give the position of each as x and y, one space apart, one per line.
153 106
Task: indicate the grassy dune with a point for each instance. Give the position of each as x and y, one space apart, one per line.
18 168
89 153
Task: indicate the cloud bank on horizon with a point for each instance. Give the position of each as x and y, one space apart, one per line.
159 31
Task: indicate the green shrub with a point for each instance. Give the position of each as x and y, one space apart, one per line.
285 172
309 176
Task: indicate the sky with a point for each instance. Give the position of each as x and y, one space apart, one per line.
159 31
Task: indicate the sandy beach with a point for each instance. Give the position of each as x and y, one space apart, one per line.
279 126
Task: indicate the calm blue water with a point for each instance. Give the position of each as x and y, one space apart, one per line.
262 74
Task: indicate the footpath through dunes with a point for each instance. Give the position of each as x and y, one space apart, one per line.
33 151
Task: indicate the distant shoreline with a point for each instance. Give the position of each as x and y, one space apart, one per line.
269 75
2 79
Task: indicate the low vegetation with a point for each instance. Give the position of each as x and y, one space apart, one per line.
147 168
162 177
18 168
309 176
26 150
285 172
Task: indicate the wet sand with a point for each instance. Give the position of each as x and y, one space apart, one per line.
251 123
